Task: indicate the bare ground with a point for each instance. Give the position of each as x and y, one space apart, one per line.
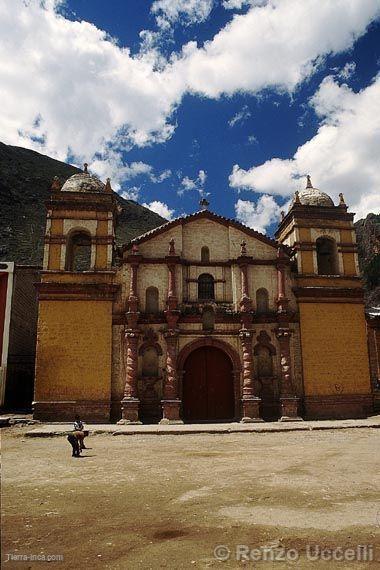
168 501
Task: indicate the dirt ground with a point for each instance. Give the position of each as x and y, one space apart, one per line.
169 501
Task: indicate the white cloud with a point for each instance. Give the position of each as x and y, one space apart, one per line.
86 90
348 70
197 183
131 193
240 117
258 215
252 139
188 12
274 46
342 157
161 209
239 4
68 90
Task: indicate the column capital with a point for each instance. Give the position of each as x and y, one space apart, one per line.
246 334
283 333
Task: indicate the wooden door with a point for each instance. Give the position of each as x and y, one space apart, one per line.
208 390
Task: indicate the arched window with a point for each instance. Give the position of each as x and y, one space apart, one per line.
262 301
264 362
151 300
150 362
78 252
205 254
206 290
208 319
327 256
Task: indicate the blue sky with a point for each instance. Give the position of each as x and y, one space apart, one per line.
232 99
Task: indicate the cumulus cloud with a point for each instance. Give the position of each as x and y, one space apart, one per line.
161 209
258 215
187 12
69 90
197 183
277 45
342 157
131 193
239 4
240 117
111 165
347 71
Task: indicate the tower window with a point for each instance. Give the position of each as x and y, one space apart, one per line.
205 254
78 252
327 256
206 289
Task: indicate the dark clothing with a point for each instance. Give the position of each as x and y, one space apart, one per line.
74 442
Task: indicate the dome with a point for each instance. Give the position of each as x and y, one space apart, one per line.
311 196
83 182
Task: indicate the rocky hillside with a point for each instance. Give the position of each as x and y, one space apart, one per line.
368 234
25 179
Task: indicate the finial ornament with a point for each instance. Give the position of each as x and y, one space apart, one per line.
297 197
172 247
55 185
85 168
282 214
108 185
135 249
341 200
204 204
243 248
308 183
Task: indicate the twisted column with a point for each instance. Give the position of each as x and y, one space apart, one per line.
250 401
130 402
171 402
288 398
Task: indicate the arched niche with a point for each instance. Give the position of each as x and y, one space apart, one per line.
262 301
152 300
150 362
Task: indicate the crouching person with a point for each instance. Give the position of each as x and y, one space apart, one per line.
79 429
74 442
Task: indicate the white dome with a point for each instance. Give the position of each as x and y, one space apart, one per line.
311 196
83 182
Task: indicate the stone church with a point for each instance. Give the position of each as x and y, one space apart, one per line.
201 319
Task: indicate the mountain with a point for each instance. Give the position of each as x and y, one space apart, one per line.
25 180
368 236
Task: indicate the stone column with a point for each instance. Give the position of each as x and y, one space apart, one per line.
289 400
171 402
250 401
130 401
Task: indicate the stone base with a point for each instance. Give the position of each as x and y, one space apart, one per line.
90 411
289 410
170 412
129 411
338 406
251 410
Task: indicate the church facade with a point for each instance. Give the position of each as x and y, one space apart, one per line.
199 320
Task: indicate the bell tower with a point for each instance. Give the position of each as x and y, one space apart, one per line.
329 294
74 339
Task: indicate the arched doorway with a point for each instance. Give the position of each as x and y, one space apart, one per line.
208 386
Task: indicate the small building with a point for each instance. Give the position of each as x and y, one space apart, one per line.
18 325
201 319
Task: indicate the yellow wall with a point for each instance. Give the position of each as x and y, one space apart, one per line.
334 348
349 264
74 350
